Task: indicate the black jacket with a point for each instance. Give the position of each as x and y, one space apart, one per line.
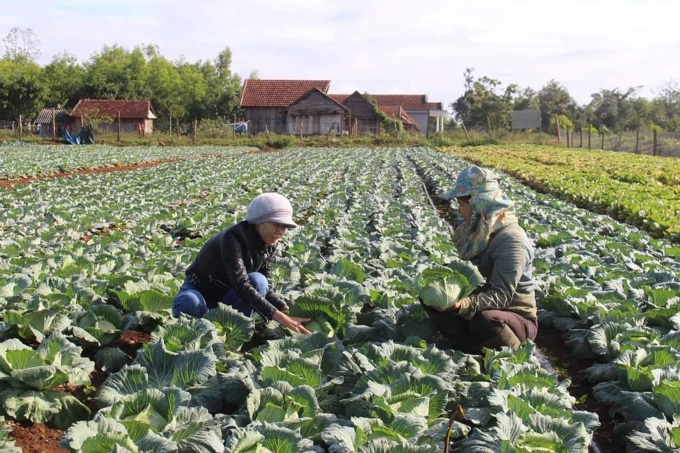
224 262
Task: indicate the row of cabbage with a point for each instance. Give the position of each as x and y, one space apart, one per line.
94 256
614 291
24 160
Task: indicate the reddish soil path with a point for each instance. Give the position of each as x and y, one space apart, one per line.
111 168
85 171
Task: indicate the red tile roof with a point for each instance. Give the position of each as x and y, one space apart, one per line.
396 111
412 102
278 93
110 108
341 98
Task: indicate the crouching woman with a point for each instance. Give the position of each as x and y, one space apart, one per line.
233 267
503 311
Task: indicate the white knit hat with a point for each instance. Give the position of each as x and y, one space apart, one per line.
270 207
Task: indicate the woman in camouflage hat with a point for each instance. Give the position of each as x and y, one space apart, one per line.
503 311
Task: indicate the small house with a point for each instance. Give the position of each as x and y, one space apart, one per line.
266 102
136 116
48 117
416 107
315 113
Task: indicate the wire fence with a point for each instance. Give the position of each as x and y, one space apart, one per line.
642 141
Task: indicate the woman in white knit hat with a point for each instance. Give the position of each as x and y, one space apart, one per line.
233 267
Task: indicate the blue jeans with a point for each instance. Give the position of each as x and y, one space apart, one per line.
192 302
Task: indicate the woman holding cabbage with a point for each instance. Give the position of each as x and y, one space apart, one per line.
502 312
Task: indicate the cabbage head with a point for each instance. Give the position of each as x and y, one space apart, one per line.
442 286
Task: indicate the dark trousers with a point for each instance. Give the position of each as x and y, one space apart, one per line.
486 325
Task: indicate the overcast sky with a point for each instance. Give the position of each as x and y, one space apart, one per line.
386 46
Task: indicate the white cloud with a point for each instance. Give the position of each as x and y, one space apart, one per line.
386 45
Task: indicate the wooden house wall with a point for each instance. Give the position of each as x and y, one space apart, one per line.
127 126
262 119
362 114
315 124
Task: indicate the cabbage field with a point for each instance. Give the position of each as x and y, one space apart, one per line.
89 261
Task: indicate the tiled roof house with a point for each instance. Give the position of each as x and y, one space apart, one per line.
135 115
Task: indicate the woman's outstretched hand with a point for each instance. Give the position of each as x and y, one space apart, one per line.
290 322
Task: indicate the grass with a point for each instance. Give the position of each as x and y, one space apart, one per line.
268 141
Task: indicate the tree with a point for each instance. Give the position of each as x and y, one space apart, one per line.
527 99
22 43
553 99
116 73
64 79
223 88
22 88
612 108
485 103
665 107
165 90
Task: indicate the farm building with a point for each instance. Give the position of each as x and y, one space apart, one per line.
315 113
135 116
48 116
398 113
415 106
266 102
304 106
363 117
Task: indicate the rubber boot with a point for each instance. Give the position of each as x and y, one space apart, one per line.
506 338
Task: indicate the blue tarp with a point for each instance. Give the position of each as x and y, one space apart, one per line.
84 137
240 127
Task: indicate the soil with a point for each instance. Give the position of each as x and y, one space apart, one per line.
261 150
86 394
102 232
550 341
131 341
106 169
36 438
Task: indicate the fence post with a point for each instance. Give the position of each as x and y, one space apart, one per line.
568 142
356 128
349 122
603 134
195 125
590 132
467 137
654 144
170 124
581 144
557 126
637 139
118 125
21 127
54 125
179 132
